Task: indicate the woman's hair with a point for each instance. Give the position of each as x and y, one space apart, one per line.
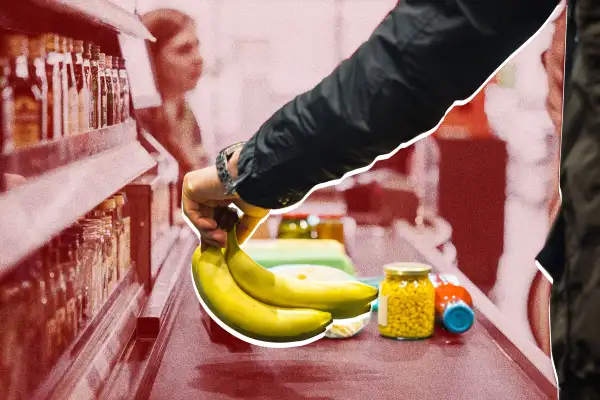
164 24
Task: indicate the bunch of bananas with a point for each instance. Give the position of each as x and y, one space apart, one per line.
268 308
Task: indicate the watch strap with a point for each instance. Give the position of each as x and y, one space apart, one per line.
222 171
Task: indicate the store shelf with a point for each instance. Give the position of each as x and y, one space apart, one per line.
101 13
166 285
47 203
37 160
137 368
86 364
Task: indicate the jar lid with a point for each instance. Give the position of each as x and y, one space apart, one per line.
331 216
406 269
296 216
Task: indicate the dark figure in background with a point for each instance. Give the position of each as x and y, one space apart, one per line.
571 38
571 254
178 67
425 55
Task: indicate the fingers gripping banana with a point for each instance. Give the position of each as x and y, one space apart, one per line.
246 315
341 299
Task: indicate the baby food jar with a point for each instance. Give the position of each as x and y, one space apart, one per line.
294 226
406 302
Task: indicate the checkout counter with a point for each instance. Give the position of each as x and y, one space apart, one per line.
190 358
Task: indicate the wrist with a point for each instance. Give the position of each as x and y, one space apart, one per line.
203 184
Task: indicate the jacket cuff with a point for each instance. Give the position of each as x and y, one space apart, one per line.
253 190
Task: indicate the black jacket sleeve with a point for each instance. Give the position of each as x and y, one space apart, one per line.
425 55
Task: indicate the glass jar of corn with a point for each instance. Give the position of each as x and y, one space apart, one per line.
406 302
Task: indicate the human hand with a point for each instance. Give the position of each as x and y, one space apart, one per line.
203 199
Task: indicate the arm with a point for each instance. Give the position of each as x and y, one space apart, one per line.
554 61
425 55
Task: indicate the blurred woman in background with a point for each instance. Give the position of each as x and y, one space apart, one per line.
178 67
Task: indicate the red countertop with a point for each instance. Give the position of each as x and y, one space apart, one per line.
365 367
484 364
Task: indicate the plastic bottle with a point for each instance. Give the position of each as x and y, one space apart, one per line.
453 304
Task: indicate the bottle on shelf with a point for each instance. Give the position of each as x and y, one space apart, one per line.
67 269
7 103
28 105
453 304
40 314
54 72
103 90
51 339
71 111
124 81
87 76
117 90
64 84
124 234
97 88
92 260
82 86
110 92
104 214
109 207
13 379
37 72
59 293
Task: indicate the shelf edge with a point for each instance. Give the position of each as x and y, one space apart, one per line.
34 212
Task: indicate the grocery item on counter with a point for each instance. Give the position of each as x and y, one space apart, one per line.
406 304
330 227
453 304
345 299
295 226
236 311
341 328
312 272
270 253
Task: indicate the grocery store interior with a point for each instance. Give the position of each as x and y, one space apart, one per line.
106 104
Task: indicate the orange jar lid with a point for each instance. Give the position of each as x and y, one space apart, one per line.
296 216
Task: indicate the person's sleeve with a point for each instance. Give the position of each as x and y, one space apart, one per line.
424 56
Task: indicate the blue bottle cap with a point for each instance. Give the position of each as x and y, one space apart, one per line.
458 317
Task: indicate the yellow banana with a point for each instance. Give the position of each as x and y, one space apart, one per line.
245 315
342 299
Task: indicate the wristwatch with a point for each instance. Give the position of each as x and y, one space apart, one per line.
222 158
